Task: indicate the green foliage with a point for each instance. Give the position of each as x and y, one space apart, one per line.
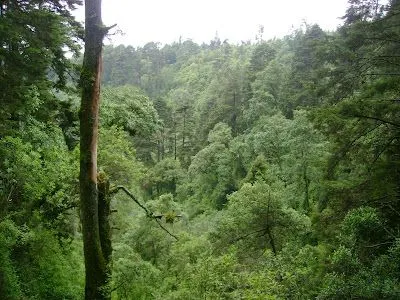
364 266
38 175
9 284
221 134
257 218
211 169
295 272
117 157
270 134
38 193
34 41
36 265
362 227
270 170
351 278
130 109
258 171
133 278
164 176
165 205
53 273
211 278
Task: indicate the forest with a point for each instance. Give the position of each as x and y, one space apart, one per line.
259 170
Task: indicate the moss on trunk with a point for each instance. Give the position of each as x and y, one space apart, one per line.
97 252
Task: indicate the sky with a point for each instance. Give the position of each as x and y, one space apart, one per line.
165 21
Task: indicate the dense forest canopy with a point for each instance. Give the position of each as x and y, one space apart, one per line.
266 170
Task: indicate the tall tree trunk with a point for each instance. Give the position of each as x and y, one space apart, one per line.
96 260
306 203
271 240
175 140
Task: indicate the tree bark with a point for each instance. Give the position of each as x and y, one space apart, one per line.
104 218
271 240
306 203
96 262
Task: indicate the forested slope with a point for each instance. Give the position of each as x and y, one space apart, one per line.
271 169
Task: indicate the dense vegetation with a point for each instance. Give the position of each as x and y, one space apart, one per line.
271 169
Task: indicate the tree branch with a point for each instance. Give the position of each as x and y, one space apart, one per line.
383 149
248 234
106 29
380 244
9 195
148 213
377 119
165 229
120 187
382 74
382 39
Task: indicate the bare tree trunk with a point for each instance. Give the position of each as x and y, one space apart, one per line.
96 260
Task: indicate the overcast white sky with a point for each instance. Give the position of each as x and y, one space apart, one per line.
236 20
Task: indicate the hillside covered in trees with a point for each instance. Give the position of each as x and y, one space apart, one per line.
266 170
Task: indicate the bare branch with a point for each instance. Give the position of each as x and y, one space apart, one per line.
148 213
120 187
165 229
